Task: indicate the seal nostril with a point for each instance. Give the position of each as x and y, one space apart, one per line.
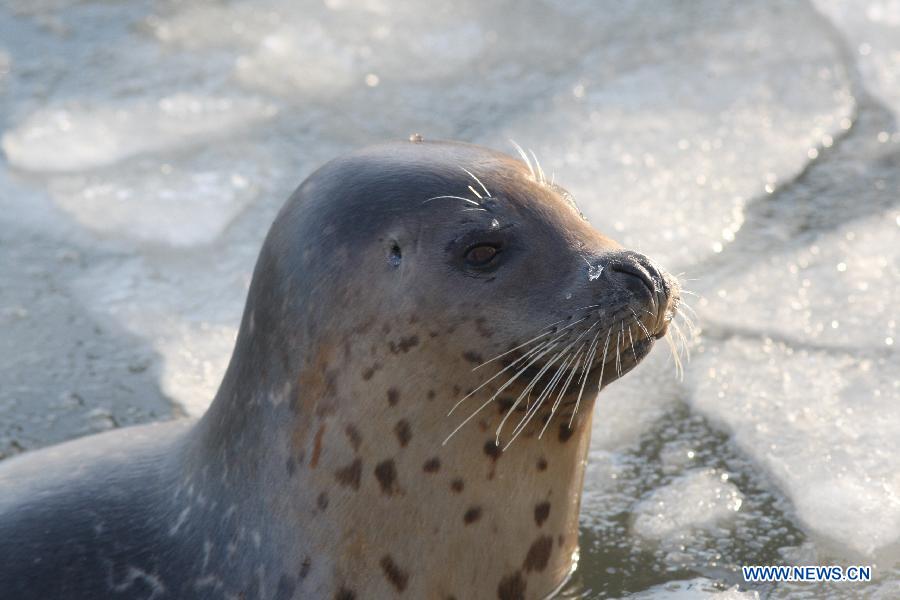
635 278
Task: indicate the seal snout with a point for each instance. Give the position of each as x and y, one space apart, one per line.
655 289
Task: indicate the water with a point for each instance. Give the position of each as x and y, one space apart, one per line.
751 146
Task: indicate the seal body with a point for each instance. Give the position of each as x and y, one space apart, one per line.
397 285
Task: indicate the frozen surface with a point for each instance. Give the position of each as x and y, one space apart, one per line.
753 146
699 499
83 137
695 589
872 31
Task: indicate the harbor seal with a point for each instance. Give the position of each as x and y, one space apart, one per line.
406 412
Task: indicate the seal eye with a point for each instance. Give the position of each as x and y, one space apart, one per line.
481 255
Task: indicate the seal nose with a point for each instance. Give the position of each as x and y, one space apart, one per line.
636 275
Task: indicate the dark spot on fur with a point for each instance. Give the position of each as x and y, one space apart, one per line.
456 390
565 432
504 404
322 501
386 473
512 587
483 329
317 447
354 436
397 576
539 554
457 485
541 512
560 539
291 466
431 394
433 334
413 319
368 373
345 594
432 465
385 328
403 432
350 474
542 464
473 357
304 567
472 515
286 588
393 396
404 344
492 449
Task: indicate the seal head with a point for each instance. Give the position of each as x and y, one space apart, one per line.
407 409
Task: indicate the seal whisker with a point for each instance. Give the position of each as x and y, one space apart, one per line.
603 360
563 391
509 366
524 158
683 341
533 339
589 364
545 393
527 390
679 374
478 181
618 356
500 390
631 341
641 325
474 191
469 200
537 378
548 389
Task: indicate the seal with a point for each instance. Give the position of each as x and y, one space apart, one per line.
406 413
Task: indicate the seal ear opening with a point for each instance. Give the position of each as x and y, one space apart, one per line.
394 254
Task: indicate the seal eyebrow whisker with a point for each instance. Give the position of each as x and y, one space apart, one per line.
525 158
541 177
469 200
474 191
472 175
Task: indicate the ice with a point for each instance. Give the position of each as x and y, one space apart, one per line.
147 146
155 298
694 589
157 202
79 136
839 290
825 424
5 64
627 408
700 499
872 31
665 146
